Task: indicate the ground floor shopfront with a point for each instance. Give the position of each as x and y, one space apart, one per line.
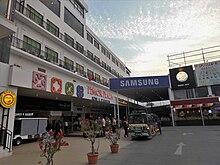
200 111
70 111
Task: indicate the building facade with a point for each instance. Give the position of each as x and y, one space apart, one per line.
195 87
57 67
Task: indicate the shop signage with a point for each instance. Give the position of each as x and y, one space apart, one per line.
101 100
7 99
80 91
39 81
139 82
99 92
207 73
182 78
56 85
69 88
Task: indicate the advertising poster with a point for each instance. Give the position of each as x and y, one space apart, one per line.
207 73
182 78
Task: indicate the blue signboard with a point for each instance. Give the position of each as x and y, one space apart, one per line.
139 82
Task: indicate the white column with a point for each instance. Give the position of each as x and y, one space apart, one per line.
203 123
115 111
171 97
118 110
209 90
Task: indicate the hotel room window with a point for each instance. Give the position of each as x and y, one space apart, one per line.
53 5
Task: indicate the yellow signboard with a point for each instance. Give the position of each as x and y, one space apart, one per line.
7 99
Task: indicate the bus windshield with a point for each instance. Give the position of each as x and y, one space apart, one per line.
137 119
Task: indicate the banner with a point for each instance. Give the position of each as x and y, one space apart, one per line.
139 82
207 73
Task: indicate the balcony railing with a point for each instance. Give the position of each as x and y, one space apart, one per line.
18 43
34 17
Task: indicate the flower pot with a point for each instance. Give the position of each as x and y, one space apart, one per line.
93 158
114 148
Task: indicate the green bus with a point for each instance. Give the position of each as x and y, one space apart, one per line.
141 125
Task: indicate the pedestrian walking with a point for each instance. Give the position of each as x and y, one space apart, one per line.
66 127
159 125
125 126
114 125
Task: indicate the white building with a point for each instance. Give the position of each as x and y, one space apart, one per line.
57 67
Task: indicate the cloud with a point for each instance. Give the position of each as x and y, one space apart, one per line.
146 36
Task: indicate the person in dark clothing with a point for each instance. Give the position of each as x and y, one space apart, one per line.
58 129
48 127
159 125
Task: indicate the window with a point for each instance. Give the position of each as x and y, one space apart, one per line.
52 28
78 7
69 40
97 78
113 71
53 5
90 73
108 55
103 50
79 47
89 38
116 62
103 64
123 68
108 68
216 90
97 60
31 46
68 64
3 7
80 69
90 55
73 22
201 92
96 44
104 80
113 59
34 15
51 55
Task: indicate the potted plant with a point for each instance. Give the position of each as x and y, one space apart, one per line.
91 130
49 144
113 138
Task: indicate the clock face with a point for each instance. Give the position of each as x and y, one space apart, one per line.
182 76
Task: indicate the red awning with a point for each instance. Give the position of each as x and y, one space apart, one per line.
195 101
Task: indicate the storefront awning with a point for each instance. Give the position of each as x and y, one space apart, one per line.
208 101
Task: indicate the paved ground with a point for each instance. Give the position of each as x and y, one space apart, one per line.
75 153
176 146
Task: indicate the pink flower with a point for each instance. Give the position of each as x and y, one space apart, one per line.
51 133
60 136
64 144
54 143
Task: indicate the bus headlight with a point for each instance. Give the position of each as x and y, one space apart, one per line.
130 128
146 128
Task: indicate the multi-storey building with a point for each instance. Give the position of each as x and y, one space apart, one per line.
57 67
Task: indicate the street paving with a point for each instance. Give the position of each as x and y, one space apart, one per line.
188 145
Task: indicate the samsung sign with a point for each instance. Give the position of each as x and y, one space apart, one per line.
139 82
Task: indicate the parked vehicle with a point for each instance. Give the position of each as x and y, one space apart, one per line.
28 128
141 125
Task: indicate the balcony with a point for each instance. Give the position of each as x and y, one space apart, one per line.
30 18
7 27
30 49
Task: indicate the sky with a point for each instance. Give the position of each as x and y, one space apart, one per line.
143 32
